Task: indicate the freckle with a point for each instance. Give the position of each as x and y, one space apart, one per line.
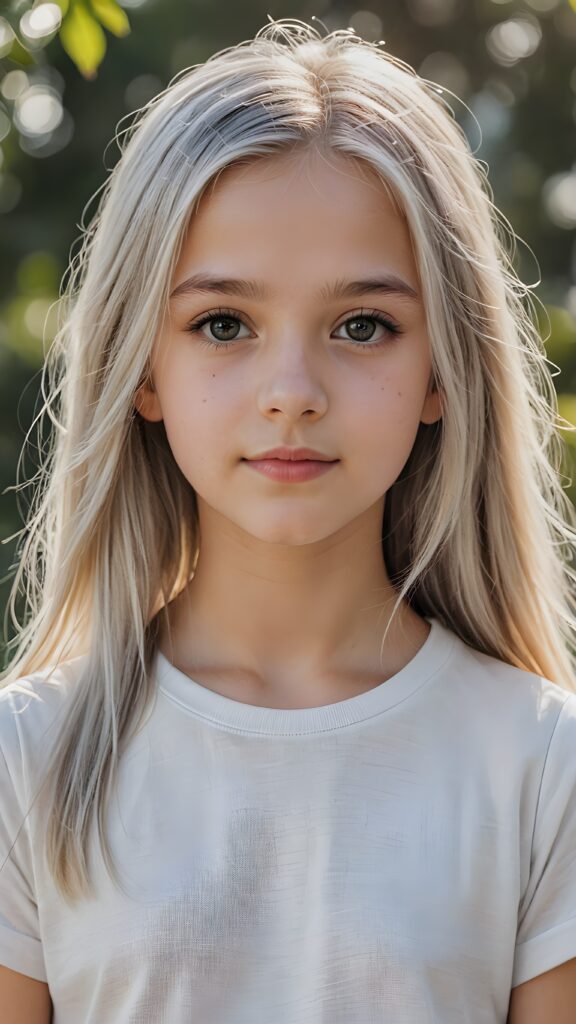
204 400
213 374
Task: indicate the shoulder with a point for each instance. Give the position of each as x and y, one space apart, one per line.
31 708
519 709
33 699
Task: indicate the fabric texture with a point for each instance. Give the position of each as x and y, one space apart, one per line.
407 855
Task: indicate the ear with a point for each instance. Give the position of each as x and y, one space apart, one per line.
432 408
147 402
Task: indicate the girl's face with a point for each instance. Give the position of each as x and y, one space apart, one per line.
297 353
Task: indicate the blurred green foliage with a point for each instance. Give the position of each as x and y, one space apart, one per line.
71 69
80 25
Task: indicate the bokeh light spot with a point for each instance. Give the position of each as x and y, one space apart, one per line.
38 110
446 70
35 316
494 118
513 40
366 24
13 84
39 23
559 194
142 89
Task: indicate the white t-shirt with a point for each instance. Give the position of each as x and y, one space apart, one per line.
406 855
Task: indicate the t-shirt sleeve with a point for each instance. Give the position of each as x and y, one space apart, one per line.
20 942
546 933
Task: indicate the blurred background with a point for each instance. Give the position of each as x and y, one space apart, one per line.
71 70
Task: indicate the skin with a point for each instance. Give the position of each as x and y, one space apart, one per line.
291 596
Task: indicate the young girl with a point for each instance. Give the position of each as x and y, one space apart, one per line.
289 731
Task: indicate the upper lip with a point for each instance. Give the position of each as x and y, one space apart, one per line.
293 455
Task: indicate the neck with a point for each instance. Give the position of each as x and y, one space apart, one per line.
278 613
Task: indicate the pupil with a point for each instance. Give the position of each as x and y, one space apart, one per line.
223 320
363 330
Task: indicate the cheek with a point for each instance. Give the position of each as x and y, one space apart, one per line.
385 422
391 401
200 416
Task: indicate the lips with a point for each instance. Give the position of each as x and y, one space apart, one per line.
291 470
287 454
276 458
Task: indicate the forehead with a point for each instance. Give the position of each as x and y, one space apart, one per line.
304 214
307 176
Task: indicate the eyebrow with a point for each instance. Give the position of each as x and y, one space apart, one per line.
387 283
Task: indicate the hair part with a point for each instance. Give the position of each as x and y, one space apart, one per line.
477 529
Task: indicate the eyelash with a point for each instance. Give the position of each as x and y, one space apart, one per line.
195 326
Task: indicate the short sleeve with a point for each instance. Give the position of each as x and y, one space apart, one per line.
546 933
20 943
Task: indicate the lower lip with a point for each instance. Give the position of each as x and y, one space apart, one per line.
288 471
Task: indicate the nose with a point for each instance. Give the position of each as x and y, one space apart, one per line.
290 383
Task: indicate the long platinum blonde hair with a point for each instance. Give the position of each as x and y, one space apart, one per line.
477 529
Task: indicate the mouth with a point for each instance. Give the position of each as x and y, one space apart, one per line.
276 459
291 470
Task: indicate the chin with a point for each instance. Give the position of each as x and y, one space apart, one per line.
288 534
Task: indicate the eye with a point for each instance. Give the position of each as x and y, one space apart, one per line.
224 326
362 324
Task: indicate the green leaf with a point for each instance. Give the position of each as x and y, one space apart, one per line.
83 39
19 54
112 16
